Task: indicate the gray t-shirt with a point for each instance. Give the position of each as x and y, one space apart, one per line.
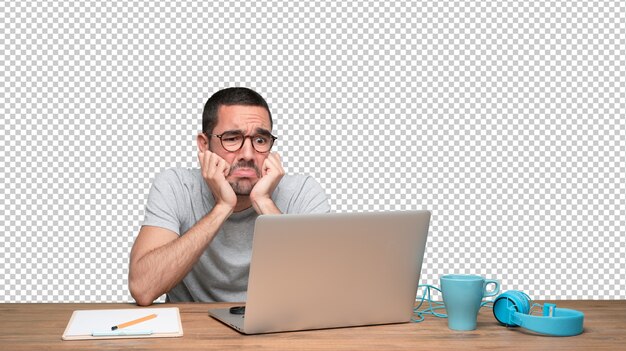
180 197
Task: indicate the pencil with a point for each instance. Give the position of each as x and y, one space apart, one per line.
133 322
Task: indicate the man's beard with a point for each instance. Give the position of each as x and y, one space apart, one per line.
243 187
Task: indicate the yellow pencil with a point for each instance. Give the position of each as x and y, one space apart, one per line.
133 322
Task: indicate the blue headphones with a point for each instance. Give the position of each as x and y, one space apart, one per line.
512 309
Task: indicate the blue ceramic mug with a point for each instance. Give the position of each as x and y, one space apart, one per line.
462 295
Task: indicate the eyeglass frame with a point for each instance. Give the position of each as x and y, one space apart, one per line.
243 141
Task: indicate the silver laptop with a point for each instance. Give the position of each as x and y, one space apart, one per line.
331 270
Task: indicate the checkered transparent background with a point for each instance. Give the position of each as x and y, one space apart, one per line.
505 118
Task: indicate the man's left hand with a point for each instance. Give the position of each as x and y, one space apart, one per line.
271 174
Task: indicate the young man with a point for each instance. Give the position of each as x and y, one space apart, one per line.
196 240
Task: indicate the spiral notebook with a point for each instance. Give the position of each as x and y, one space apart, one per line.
96 324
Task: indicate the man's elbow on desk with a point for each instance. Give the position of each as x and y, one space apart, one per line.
141 296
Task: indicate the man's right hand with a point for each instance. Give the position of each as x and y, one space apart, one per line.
214 171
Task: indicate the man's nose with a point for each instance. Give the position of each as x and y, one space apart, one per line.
247 151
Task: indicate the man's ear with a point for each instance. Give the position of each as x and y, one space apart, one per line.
203 142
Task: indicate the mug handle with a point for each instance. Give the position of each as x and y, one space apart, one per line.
496 289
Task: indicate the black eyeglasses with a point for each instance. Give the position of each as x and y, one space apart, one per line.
233 141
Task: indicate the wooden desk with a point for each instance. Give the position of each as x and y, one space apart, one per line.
40 326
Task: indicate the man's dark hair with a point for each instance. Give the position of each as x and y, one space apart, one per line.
228 97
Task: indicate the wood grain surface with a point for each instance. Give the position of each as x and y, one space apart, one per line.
40 326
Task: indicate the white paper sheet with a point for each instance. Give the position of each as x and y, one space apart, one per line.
85 322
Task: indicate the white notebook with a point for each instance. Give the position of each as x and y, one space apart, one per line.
96 324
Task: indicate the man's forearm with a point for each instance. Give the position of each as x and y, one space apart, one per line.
265 206
158 271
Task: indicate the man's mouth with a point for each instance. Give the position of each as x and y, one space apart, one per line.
244 172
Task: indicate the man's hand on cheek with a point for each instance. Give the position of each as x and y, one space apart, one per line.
214 171
271 173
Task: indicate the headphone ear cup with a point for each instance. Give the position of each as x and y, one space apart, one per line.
506 304
523 300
